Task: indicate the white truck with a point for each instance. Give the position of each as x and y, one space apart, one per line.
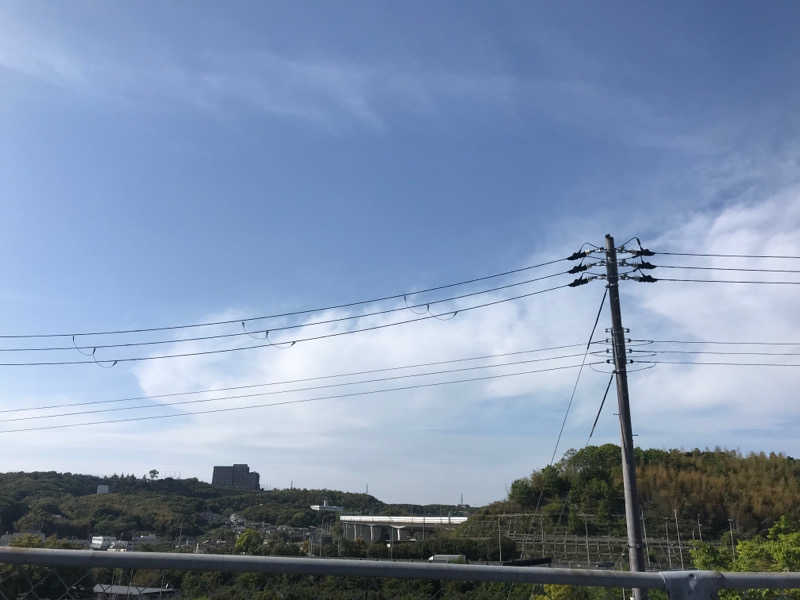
448 558
102 542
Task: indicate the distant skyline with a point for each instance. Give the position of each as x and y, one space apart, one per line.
187 162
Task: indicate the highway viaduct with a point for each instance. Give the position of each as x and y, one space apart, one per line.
375 528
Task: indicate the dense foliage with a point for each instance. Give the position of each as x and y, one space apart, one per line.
710 486
760 493
778 550
66 505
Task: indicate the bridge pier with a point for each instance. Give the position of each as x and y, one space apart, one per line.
374 528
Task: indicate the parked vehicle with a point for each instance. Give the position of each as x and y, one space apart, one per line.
448 558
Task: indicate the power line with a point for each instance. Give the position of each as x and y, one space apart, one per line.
289 391
291 381
659 351
396 296
285 402
731 343
600 410
266 332
282 343
574 389
726 255
721 281
629 371
726 269
578 378
728 364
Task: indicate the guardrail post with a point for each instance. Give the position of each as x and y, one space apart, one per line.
691 585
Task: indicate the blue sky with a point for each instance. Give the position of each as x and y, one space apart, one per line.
191 160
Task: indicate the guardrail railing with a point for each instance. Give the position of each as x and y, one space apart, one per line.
679 585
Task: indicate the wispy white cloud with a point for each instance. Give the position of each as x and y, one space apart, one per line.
319 89
328 90
432 443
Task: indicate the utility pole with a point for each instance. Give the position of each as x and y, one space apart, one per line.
632 510
666 537
678 532
586 540
541 528
499 543
646 547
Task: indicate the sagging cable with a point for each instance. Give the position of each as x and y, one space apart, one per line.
602 403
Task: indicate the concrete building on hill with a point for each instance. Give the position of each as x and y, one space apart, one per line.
238 477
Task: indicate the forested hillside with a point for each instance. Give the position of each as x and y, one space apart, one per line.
705 486
583 492
66 505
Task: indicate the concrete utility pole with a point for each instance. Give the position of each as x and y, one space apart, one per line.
499 542
678 533
632 510
666 537
644 533
586 540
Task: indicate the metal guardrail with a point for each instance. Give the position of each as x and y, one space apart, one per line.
680 585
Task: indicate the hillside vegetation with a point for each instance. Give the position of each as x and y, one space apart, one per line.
760 492
709 486
66 505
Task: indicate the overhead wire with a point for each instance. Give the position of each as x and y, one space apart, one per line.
725 342
621 247
628 370
292 381
725 281
720 353
285 402
289 391
574 389
578 377
396 296
283 342
95 347
702 268
600 410
779 256
717 363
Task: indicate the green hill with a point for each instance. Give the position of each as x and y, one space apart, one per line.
66 505
709 486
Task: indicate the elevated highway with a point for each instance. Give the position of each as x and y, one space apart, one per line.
376 528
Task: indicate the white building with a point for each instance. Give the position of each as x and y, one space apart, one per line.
325 507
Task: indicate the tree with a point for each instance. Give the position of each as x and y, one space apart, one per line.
249 541
779 551
153 473
562 592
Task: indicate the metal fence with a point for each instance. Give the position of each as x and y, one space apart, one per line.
679 585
